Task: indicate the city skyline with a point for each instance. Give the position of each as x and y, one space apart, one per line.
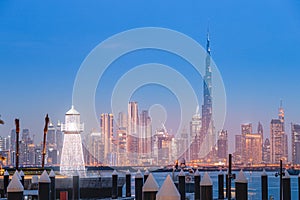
39 62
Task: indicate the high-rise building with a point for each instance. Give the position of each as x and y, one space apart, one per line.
279 148
107 130
25 142
207 137
96 145
51 149
145 135
246 128
59 140
222 145
295 143
266 151
72 151
260 130
162 147
253 149
121 139
132 132
51 140
38 155
239 145
248 146
195 131
12 147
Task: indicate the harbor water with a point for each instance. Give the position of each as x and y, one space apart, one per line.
254 183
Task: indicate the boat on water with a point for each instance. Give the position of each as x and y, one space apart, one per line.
293 172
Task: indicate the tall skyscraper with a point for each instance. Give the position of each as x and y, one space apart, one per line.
267 151
295 143
162 147
12 146
195 130
59 140
246 128
222 145
132 132
207 137
51 140
96 144
248 146
121 139
279 148
145 139
72 152
107 130
25 142
253 149
260 130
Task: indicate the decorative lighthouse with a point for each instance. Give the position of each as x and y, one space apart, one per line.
72 154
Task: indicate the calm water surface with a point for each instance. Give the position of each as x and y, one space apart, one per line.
254 183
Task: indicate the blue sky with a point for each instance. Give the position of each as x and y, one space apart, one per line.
255 45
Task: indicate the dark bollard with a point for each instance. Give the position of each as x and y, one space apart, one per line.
52 185
286 186
146 174
299 187
114 192
221 185
128 184
197 185
5 180
138 185
230 176
15 189
76 188
241 187
206 188
226 185
150 188
181 184
264 185
22 175
44 186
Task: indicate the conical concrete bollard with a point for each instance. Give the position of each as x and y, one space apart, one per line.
18 175
114 192
22 175
44 186
52 185
168 191
15 189
206 188
197 179
138 185
241 186
150 188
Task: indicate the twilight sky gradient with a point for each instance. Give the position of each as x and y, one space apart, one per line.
255 44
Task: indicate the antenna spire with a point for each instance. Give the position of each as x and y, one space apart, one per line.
207 41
